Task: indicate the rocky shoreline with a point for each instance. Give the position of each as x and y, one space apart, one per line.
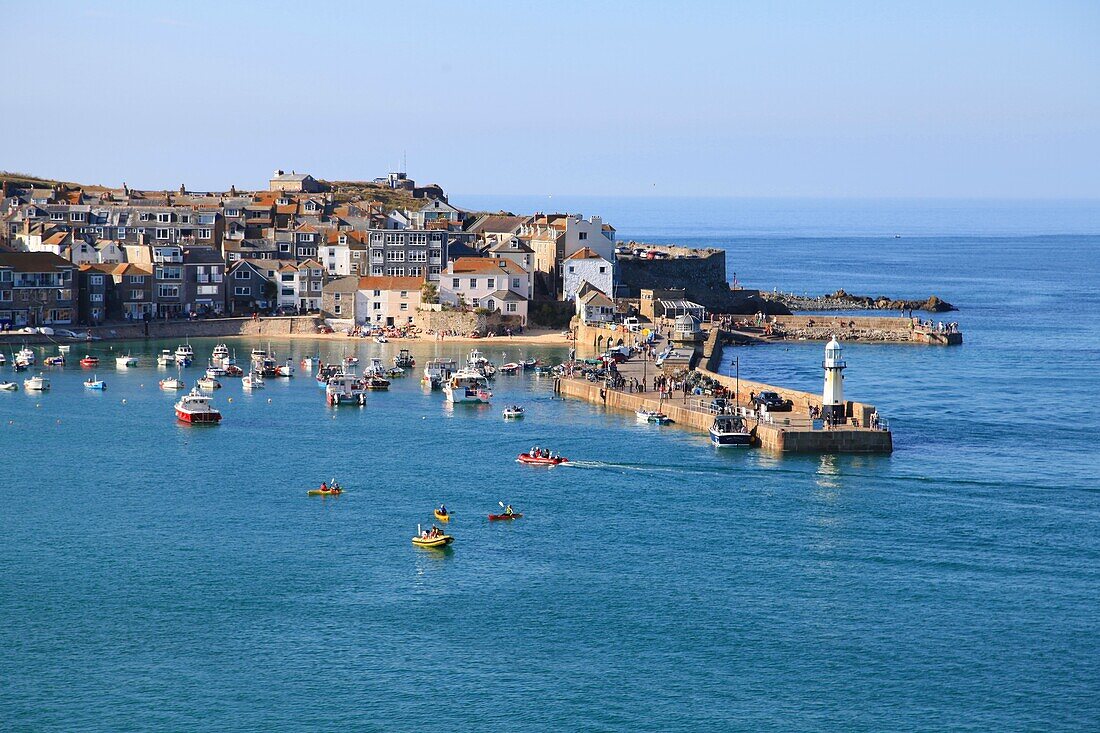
842 300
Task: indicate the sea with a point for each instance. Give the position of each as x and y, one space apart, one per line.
158 576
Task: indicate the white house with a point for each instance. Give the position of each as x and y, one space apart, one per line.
518 252
585 266
595 307
495 284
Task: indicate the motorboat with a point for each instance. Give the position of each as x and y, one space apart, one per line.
530 363
125 362
404 360
19 366
438 371
729 430
26 356
166 358
327 372
433 538
310 363
8 387
89 361
653 416
220 355
478 363
185 355
541 460
172 384
285 370
58 360
345 389
37 383
209 383
513 412
543 370
252 381
214 372
63 348
395 372
196 408
467 385
375 383
511 368
95 383
232 370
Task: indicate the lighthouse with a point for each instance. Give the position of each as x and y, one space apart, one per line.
832 399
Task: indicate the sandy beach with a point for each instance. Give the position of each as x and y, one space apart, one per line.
532 336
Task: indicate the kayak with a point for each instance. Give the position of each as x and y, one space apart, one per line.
325 492
442 517
540 461
500 517
441 541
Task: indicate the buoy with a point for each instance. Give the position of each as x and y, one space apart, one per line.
230 399
39 404
269 400
124 402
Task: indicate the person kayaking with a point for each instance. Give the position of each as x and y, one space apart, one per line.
508 510
443 509
324 486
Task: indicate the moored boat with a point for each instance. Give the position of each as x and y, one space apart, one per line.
63 348
58 360
8 387
166 358
653 416
467 385
125 362
438 371
195 408
252 381
184 354
511 368
285 370
208 383
95 383
89 361
26 356
37 383
345 389
172 384
404 360
215 370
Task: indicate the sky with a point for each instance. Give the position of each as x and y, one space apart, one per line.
842 99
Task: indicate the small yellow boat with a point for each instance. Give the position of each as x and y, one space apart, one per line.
442 517
325 492
438 541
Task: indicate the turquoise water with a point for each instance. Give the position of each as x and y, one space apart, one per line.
155 576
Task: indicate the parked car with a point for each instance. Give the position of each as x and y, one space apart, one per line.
772 402
286 310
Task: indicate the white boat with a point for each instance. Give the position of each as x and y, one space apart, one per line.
285 370
213 372
95 383
209 383
166 358
467 385
184 354
220 354
511 368
26 356
196 408
310 363
514 412
345 389
8 386
438 371
351 360
252 381
653 416
3 360
64 348
729 430
404 359
172 384
36 384
125 362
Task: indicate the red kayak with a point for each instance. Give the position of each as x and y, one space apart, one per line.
499 517
540 461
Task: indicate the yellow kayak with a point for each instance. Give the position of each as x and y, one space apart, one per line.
325 492
440 541
442 517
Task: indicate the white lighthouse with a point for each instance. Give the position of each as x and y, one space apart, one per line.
832 399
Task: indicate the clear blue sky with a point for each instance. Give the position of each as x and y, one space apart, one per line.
831 98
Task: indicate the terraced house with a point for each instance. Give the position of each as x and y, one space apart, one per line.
37 289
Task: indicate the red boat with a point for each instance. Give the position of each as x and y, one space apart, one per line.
89 361
195 408
540 461
499 517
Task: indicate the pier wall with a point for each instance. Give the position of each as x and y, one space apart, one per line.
273 326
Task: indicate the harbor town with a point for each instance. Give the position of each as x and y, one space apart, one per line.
388 260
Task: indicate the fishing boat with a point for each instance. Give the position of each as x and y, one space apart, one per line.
441 516
166 358
477 362
89 361
345 389
252 381
504 517
374 376
467 385
8 386
195 408
208 383
19 366
729 430
514 412
539 460
395 372
172 384
438 371
404 360
214 372
327 372
511 368
653 416
185 354
285 370
220 355
95 383
58 360
37 383
26 356
232 370
125 362
267 367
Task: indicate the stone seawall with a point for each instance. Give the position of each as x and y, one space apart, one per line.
703 277
275 326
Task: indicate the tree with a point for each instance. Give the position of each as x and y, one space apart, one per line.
429 293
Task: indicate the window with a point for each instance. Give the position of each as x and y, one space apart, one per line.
97 279
164 218
242 291
288 291
145 216
454 283
77 216
395 271
418 255
206 233
137 295
136 279
582 236
416 271
492 283
169 291
571 270
473 282
284 247
475 302
515 282
287 277
395 255
404 293
376 271
57 215
490 305
404 306
603 270
232 212
169 273
336 309
242 274
377 305
5 295
163 233
510 307
122 232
